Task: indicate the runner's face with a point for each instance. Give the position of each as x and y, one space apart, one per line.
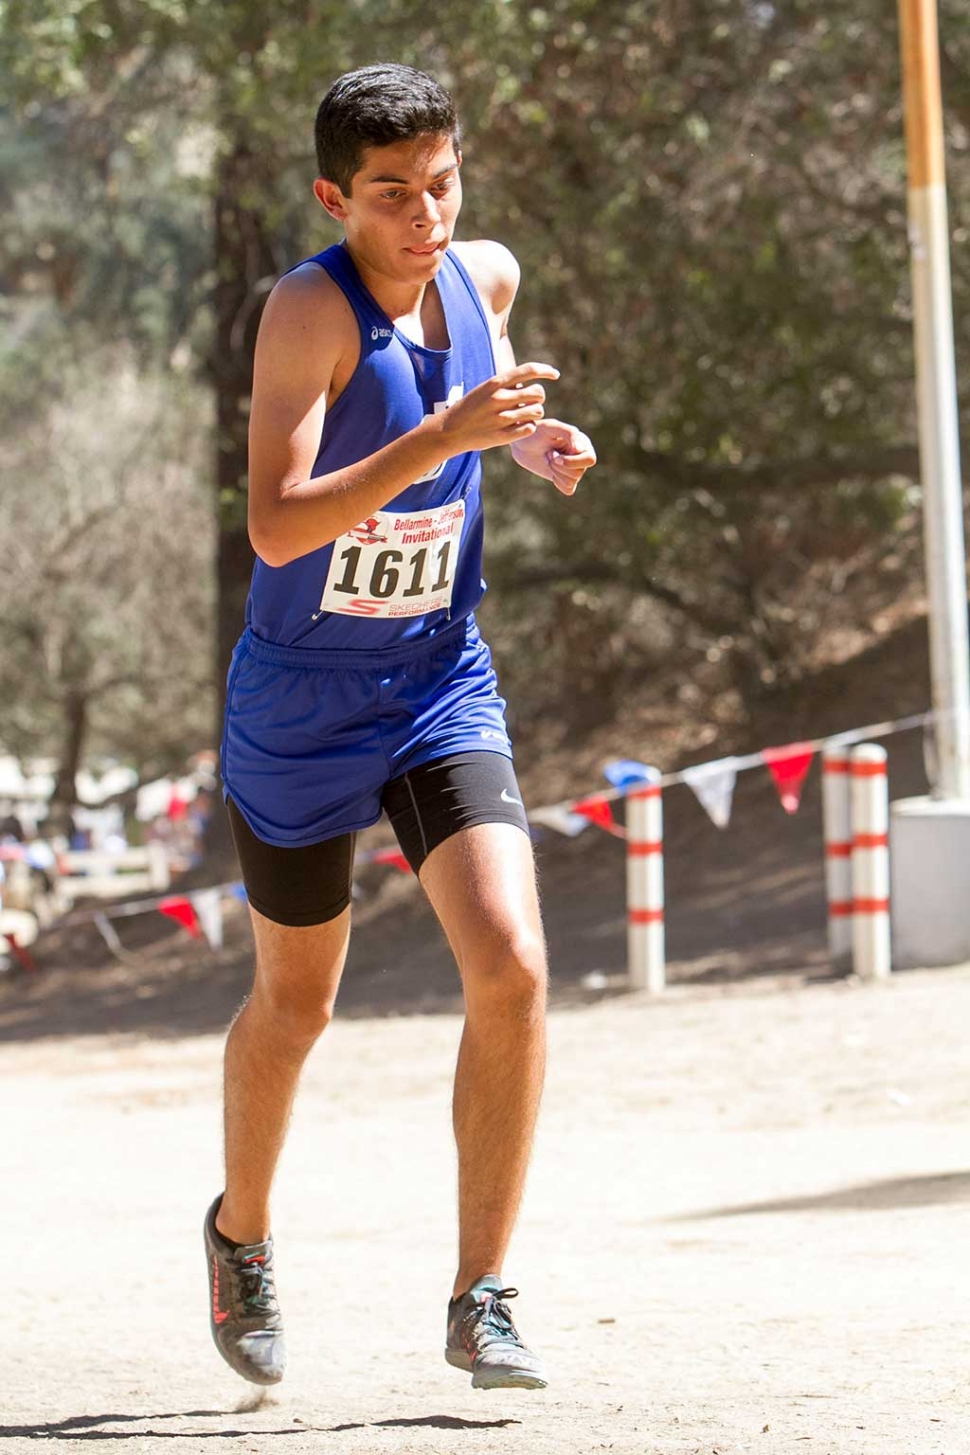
404 204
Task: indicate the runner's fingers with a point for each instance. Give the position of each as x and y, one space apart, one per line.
566 474
573 467
522 373
527 394
526 411
584 460
520 432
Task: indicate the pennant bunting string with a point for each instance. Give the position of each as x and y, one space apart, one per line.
200 912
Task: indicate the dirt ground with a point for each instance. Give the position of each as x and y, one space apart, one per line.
745 1226
744 1230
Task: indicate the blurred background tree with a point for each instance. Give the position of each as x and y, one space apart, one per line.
708 202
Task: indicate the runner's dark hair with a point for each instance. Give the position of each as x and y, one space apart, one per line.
377 106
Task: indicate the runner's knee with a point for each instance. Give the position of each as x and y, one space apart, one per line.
509 968
297 976
298 1013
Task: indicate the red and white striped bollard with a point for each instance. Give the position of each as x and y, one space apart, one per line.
837 831
646 964
871 943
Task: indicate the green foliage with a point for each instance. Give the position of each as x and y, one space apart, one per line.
708 203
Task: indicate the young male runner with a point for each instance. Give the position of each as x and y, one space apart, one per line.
361 684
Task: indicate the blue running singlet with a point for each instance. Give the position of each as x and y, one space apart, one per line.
416 564
361 660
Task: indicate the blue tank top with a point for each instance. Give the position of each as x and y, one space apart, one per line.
416 565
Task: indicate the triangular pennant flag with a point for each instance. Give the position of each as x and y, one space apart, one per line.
207 904
789 767
20 953
713 783
599 811
558 816
182 912
625 772
393 857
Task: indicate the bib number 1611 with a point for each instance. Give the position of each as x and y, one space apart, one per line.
386 571
396 563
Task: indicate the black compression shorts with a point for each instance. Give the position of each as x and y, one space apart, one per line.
312 884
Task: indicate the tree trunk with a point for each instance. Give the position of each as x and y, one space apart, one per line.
246 267
64 796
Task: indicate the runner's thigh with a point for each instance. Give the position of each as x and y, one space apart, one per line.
481 883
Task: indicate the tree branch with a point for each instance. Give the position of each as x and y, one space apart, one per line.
783 474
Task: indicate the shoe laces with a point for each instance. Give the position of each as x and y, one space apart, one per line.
257 1285
493 1315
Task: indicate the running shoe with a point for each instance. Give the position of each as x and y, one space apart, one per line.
483 1340
243 1312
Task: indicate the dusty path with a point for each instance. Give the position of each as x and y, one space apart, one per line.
746 1230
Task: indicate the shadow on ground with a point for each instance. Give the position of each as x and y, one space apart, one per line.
888 1195
90 1427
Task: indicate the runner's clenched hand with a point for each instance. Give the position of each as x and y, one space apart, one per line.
506 408
557 452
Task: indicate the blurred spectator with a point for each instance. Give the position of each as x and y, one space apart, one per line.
12 828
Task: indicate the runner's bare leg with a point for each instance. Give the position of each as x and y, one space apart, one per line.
297 974
481 883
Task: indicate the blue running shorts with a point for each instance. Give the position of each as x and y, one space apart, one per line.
312 737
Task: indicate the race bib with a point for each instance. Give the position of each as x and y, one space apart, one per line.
395 564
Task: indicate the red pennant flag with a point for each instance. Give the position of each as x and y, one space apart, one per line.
178 806
394 858
789 767
599 812
183 912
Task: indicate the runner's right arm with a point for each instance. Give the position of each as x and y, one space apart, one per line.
303 335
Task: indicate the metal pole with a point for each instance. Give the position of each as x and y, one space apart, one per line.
939 443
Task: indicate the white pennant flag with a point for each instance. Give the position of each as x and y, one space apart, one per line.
559 817
713 783
207 904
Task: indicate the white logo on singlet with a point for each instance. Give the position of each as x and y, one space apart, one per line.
455 393
377 333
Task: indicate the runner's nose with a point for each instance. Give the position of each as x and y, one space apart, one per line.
428 212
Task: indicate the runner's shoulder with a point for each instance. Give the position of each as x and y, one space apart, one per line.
306 309
493 269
